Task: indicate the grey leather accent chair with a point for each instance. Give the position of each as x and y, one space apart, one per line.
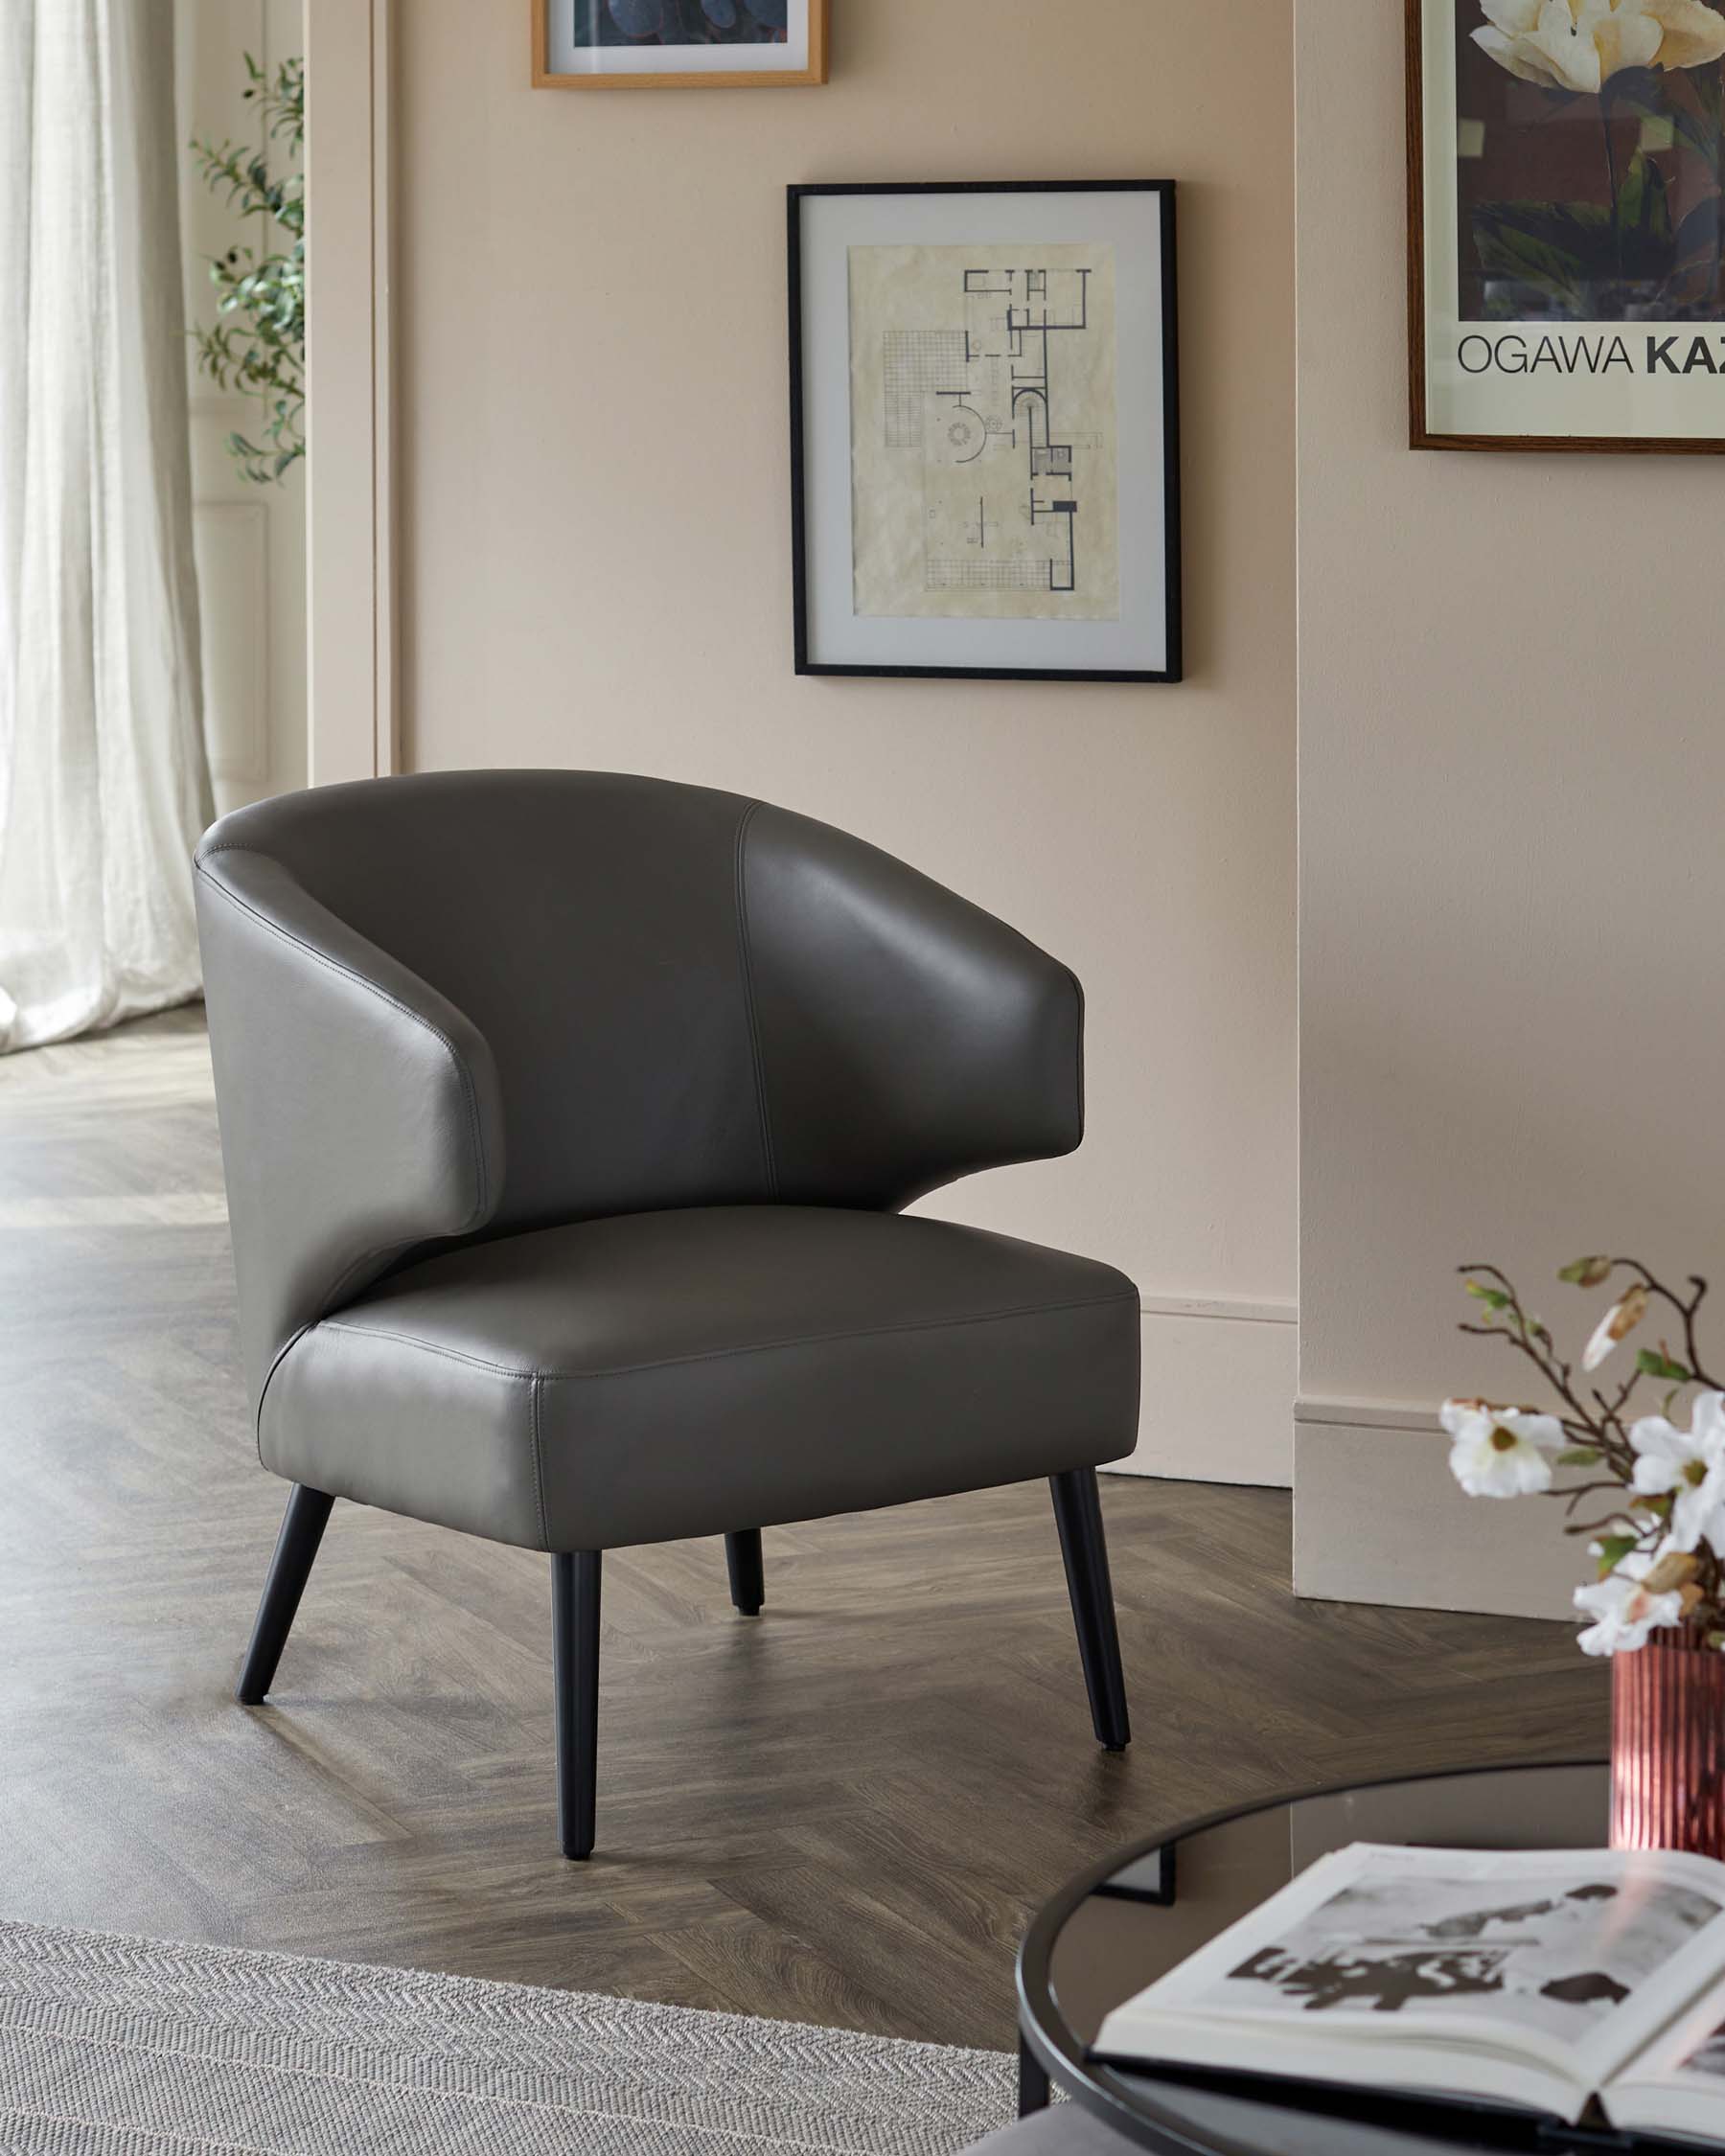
567 1119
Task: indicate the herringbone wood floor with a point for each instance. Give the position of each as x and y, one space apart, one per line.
842 1812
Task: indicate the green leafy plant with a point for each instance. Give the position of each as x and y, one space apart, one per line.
257 347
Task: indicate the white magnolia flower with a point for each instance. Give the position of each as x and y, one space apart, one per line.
1501 1452
1622 1610
1689 1463
1576 44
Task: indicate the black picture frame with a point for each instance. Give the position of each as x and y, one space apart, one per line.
1171 671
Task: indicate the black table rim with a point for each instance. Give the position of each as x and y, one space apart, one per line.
1045 2035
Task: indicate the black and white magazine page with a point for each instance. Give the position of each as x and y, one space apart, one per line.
1526 1978
1677 2084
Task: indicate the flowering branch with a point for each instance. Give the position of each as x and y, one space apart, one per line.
1685 1309
1661 1550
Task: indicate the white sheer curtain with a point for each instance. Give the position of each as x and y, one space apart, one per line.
104 784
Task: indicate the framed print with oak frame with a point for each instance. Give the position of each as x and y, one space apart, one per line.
1565 226
678 44
985 431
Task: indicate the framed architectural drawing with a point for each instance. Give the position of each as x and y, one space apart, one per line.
1566 224
985 430
678 44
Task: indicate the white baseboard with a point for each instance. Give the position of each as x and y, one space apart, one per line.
1218 1380
1378 1518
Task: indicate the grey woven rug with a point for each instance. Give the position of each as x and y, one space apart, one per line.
123 2046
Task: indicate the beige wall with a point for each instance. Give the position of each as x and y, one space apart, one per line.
594 562
1512 882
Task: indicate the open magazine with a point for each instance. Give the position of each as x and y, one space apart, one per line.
1569 1982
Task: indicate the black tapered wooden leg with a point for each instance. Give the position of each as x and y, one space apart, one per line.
297 1546
748 1574
575 1664
1078 1513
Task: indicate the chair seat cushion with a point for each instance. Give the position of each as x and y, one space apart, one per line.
689 1372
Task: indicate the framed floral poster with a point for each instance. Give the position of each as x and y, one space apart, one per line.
678 44
985 430
1566 193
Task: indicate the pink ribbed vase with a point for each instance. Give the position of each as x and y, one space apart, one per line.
1668 1746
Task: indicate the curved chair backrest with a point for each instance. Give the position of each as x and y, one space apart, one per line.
486 1001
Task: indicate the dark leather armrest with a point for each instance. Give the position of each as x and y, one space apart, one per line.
905 1037
360 1112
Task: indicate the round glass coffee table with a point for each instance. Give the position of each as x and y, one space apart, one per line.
1117 1927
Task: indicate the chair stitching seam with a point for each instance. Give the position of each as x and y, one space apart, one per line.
746 952
538 1457
464 1077
724 1354
1079 1058
341 1280
269 1378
